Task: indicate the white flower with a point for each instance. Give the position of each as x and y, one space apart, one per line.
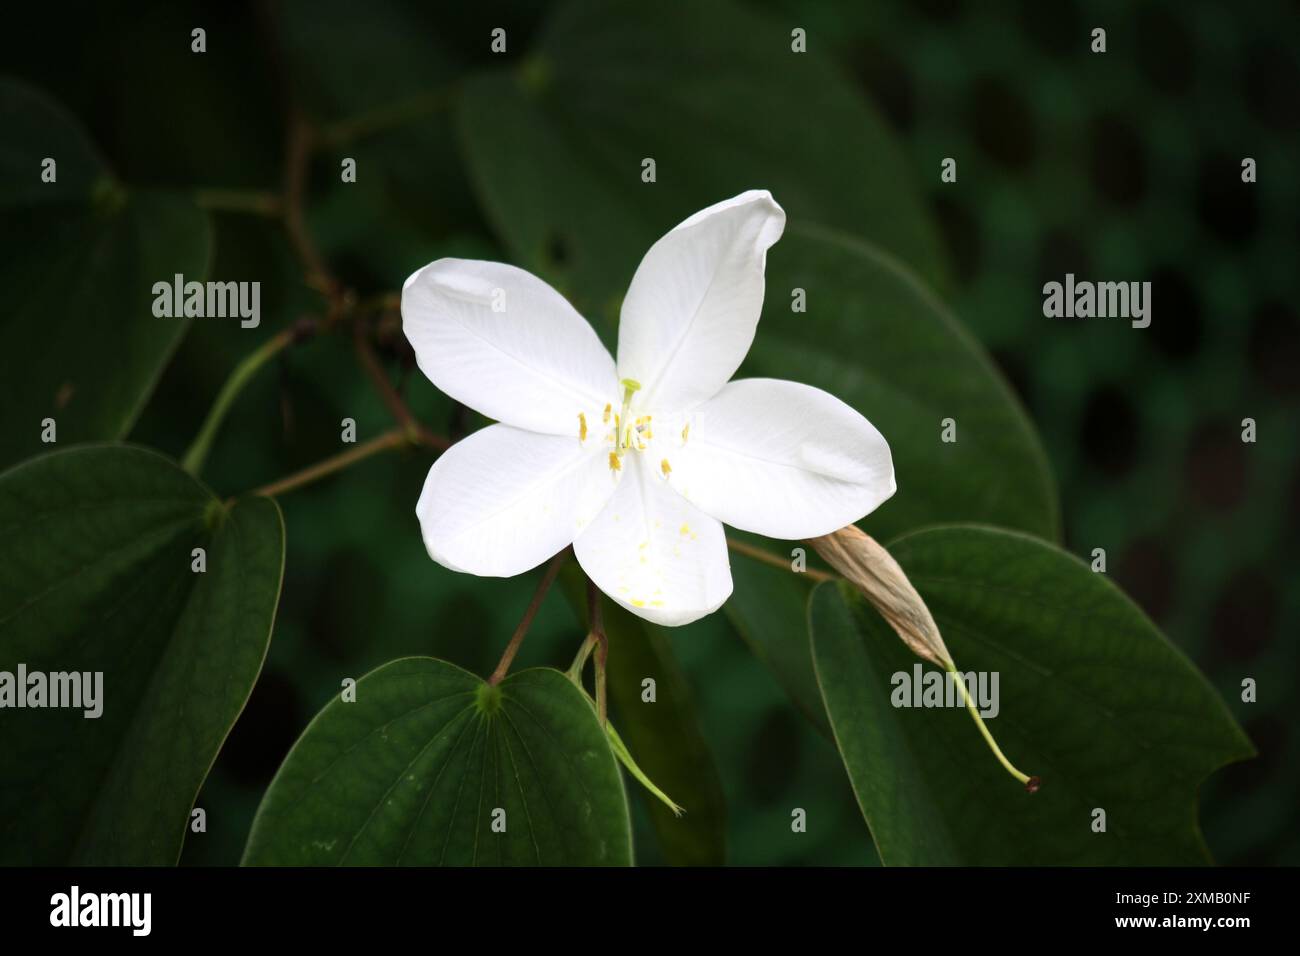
636 464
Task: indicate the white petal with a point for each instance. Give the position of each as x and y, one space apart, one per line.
506 344
504 500
654 552
780 459
689 316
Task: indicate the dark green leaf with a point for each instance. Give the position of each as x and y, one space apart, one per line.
709 91
413 771
96 576
78 260
1092 698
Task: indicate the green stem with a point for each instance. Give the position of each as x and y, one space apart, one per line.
386 117
1031 783
580 661
244 371
255 202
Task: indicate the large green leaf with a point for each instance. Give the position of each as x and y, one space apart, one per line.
96 575
709 91
1093 699
415 770
78 260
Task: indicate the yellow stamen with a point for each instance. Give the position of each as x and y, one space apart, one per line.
665 467
686 431
582 426
614 463
605 418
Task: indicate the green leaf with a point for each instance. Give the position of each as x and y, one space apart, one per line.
96 576
78 260
413 771
1093 699
714 95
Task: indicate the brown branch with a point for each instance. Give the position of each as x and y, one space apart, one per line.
517 639
392 439
397 406
759 554
595 616
297 160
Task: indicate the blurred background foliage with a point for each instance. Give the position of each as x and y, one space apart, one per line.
1122 166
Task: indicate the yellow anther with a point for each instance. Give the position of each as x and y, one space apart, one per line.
582 426
666 468
605 418
686 431
614 463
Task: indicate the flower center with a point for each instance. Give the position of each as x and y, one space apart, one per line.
624 430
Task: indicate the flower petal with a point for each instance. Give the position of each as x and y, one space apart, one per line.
654 552
504 499
506 344
690 313
780 459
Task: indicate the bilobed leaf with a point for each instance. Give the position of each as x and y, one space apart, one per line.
78 261
418 768
709 91
1092 698
96 575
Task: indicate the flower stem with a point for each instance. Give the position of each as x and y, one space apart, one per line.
597 624
517 639
596 640
244 371
776 561
391 439
1031 783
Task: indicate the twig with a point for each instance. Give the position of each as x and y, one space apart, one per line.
397 406
597 624
759 554
517 639
392 439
